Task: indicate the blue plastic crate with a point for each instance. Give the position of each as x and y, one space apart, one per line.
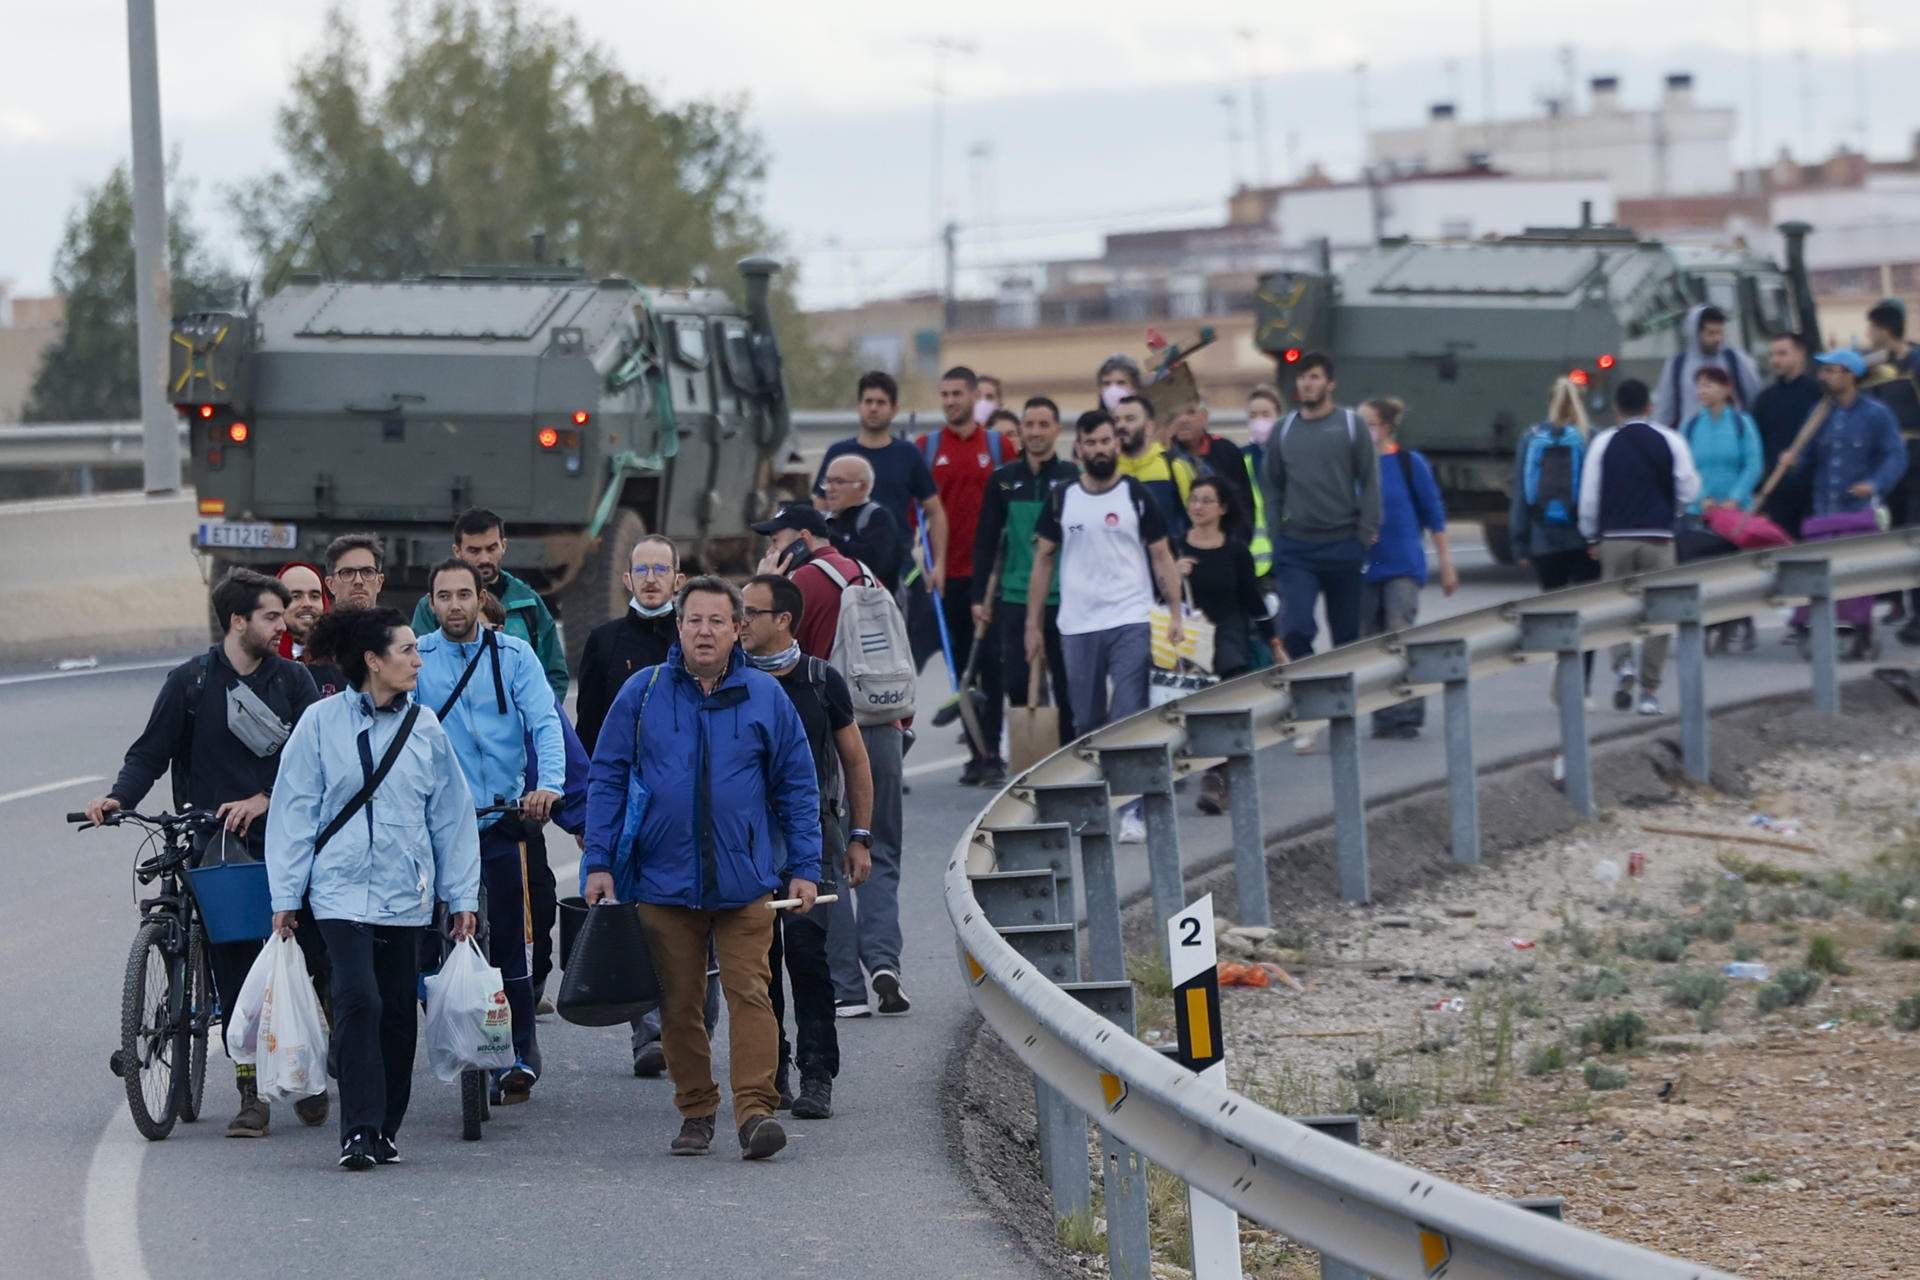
234 902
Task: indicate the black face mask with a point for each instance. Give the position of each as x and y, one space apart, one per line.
1102 467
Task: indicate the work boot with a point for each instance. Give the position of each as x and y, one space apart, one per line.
695 1137
254 1114
1213 793
760 1137
312 1111
816 1098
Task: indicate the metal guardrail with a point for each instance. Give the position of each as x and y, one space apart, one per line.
1010 899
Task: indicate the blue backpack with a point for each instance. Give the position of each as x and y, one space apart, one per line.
1551 473
931 448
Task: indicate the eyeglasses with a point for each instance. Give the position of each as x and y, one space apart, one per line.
366 574
842 480
748 613
652 571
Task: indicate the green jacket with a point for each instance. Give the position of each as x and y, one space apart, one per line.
527 618
1011 507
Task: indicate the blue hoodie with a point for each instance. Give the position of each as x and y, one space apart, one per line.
719 771
507 700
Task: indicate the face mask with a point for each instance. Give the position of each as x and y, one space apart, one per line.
1258 429
1102 467
775 661
983 410
1113 393
646 612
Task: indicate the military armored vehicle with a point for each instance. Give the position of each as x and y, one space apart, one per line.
1473 335
582 411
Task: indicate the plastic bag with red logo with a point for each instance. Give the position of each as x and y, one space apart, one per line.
291 1039
469 1025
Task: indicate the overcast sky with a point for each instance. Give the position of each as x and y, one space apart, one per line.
1062 119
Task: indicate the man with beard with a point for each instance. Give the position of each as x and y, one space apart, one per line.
1105 529
489 694
219 722
480 539
308 599
356 571
1144 458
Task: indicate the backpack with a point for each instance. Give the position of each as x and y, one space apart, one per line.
1741 425
1552 474
1286 425
871 649
827 766
1404 456
930 449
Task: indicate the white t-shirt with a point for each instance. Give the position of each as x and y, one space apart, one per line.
1103 540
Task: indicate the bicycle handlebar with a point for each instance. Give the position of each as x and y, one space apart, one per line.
163 821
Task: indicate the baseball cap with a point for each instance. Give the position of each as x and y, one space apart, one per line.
803 516
1848 360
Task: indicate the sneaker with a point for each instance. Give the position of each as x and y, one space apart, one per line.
516 1084
1623 687
312 1111
761 1137
993 774
544 1008
384 1150
783 1085
356 1153
852 1009
1305 741
1133 829
893 1001
1649 705
970 773
816 1098
254 1116
695 1137
650 1062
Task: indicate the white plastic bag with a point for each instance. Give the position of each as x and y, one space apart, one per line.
243 1020
469 1024
293 1039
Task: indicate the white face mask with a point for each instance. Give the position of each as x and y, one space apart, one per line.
983 410
1258 429
1113 393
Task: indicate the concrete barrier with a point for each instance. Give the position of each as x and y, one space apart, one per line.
100 575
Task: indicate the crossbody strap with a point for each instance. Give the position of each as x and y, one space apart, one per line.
486 642
362 796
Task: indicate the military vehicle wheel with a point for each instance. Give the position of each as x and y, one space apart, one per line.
1499 540
596 592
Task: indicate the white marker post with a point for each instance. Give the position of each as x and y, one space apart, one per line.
1196 1006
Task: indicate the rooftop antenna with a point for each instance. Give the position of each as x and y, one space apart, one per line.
943 48
1256 106
1234 166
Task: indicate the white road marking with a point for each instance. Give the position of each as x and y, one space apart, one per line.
932 766
91 671
111 1215
45 787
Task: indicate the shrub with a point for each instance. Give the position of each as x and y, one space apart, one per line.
1694 888
1615 1033
1668 945
1718 926
1600 1077
1754 871
1697 989
1387 1102
1745 951
1901 944
1546 1059
1825 954
1599 984
1792 986
1906 1014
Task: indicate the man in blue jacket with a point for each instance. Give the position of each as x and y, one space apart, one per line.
699 759
489 691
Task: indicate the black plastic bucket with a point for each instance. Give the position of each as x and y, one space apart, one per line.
573 915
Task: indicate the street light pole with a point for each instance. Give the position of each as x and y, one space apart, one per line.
153 289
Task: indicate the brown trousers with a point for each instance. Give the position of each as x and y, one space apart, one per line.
677 942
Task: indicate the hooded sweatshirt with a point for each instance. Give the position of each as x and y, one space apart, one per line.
1674 400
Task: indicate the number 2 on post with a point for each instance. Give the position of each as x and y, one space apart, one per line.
1190 936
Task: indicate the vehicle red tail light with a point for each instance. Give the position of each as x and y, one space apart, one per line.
548 437
206 411
1578 378
1605 362
237 432
1292 355
580 417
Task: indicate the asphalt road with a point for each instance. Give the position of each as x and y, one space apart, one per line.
578 1182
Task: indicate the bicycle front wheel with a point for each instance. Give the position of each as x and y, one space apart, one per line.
149 1039
195 1018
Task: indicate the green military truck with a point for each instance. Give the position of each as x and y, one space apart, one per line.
582 411
1472 335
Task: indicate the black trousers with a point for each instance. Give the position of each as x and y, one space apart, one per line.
375 1021
1006 678
803 941
543 901
503 871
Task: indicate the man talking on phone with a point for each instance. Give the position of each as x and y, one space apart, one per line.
797 548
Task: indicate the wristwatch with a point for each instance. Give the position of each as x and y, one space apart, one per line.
862 835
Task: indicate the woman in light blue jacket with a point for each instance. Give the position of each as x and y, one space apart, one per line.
372 853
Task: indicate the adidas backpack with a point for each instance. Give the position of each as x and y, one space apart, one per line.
870 648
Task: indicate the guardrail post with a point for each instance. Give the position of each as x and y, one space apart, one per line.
1558 633
1229 734
1347 1130
1129 1242
1147 772
1063 1150
1086 808
1814 580
1445 663
1679 603
1331 698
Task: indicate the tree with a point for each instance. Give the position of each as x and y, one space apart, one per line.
92 373
497 120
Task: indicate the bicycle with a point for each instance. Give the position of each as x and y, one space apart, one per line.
166 999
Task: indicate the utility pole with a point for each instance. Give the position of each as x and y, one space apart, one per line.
949 236
152 287
1257 107
1234 167
942 46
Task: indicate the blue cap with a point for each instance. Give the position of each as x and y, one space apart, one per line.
1848 360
